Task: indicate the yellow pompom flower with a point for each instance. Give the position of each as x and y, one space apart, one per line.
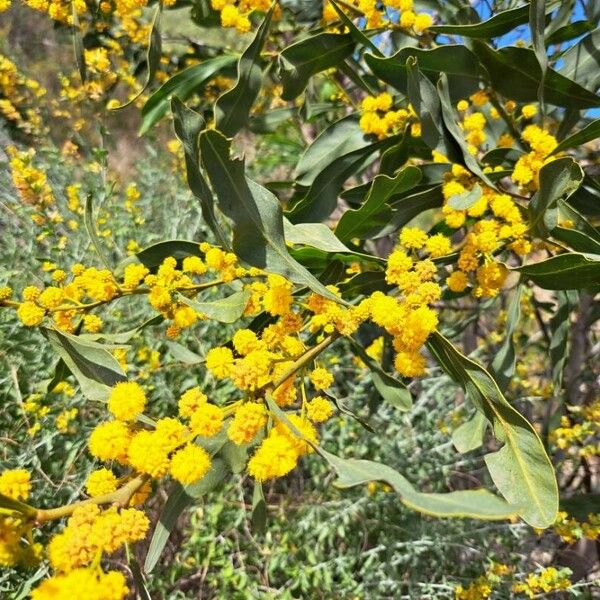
110 441
127 400
190 464
219 361
305 428
193 264
321 378
278 299
319 409
275 457
31 293
413 237
245 341
5 293
97 584
184 316
422 22
100 482
15 483
191 401
207 421
147 455
438 245
410 364
92 323
30 314
457 281
248 420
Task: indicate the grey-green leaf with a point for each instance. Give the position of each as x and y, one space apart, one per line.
225 310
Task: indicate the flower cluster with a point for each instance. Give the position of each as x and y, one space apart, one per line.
547 580
237 13
378 118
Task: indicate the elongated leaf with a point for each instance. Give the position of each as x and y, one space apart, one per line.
521 469
477 504
153 56
94 367
568 32
469 435
357 35
78 48
581 62
152 256
451 121
232 108
503 365
259 509
537 27
121 337
451 59
560 326
568 271
495 26
182 85
589 133
424 99
183 354
375 212
179 499
90 227
515 73
188 124
225 310
392 390
300 61
258 237
559 179
317 235
582 236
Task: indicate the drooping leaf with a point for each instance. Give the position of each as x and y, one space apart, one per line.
300 61
225 310
182 85
589 133
559 179
375 212
451 59
153 56
515 73
232 108
258 237
188 124
317 235
392 390
503 365
94 367
179 499
571 270
521 469
560 326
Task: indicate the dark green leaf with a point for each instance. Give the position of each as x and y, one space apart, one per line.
258 237
582 236
259 509
375 212
581 62
568 271
568 32
300 61
521 469
589 133
537 27
94 367
560 326
232 108
225 310
515 73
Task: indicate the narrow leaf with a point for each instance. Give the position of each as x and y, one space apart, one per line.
589 133
568 271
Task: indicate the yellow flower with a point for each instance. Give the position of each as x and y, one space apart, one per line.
207 421
410 364
219 361
413 237
319 409
457 281
102 481
189 464
191 401
110 441
30 314
321 378
275 457
127 400
97 584
247 421
438 245
16 484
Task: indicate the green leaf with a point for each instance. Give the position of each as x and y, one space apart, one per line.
269 120
259 509
451 121
392 390
503 365
568 271
152 256
138 578
94 367
182 85
498 25
183 354
466 199
581 62
515 73
357 35
583 236
317 235
179 499
300 61
468 436
225 310
589 133
560 326
188 124
475 504
559 179
521 469
153 56
121 337
232 108
424 99
537 27
375 212
451 59
78 47
235 456
258 237
568 32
